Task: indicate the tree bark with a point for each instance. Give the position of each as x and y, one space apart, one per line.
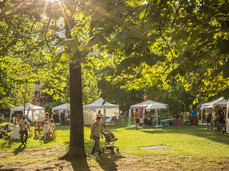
76 147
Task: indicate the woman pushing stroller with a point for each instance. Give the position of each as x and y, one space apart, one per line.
96 130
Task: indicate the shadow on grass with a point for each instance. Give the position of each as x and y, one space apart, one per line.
9 143
198 131
48 140
20 149
77 164
80 164
108 161
63 127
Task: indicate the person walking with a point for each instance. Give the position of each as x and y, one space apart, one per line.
96 129
24 126
62 116
136 117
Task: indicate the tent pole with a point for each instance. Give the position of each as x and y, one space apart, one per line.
201 113
129 117
227 118
157 118
168 112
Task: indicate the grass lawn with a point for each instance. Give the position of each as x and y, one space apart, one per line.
191 148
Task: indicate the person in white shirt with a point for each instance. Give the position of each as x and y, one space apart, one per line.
47 129
24 127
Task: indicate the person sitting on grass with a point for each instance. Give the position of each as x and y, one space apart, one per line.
2 118
148 121
47 130
38 128
2 133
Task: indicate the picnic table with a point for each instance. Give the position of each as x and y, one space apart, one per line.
166 122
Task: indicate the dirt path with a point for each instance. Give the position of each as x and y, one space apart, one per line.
46 158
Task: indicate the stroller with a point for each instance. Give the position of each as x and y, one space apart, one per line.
109 141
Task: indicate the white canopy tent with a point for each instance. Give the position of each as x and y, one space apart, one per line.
222 103
35 113
225 103
64 106
211 103
149 105
157 105
107 110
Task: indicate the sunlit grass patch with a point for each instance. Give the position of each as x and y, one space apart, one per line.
189 145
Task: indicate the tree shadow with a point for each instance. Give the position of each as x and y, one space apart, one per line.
48 140
198 131
20 149
80 164
107 161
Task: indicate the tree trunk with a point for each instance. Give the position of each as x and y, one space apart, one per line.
76 147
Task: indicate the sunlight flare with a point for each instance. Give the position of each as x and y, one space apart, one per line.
52 1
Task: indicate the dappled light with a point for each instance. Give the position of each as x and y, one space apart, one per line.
114 85
182 141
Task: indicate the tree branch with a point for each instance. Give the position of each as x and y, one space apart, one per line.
143 19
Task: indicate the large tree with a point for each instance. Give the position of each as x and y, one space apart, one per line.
142 37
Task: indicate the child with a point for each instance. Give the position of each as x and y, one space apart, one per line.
52 124
47 130
38 127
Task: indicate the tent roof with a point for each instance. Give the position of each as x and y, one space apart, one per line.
151 104
99 104
27 105
61 107
211 103
222 102
157 105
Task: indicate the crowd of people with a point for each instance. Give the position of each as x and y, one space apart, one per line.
216 120
48 129
147 121
22 130
63 117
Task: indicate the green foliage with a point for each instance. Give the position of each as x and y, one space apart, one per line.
143 44
191 35
30 44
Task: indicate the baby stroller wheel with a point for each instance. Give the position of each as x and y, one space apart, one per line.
117 150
